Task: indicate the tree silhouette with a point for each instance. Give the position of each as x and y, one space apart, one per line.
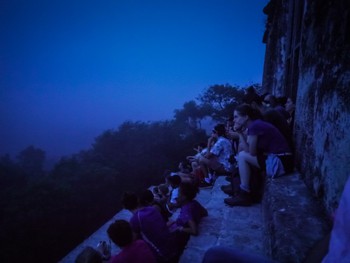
31 160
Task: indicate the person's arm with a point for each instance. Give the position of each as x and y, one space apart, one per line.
192 228
242 144
252 142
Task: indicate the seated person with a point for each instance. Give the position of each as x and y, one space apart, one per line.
185 171
190 215
146 198
290 107
201 150
147 223
131 251
262 139
174 181
218 156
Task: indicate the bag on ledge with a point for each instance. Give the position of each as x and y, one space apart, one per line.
274 166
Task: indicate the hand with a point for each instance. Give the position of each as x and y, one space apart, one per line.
232 135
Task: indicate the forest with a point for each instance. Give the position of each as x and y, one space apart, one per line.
47 213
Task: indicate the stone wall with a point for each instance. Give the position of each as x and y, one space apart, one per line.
321 88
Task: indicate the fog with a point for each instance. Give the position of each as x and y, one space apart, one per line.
70 71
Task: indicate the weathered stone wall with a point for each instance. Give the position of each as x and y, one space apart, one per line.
322 123
274 38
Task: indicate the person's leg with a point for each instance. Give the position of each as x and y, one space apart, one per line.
244 161
229 255
203 164
243 198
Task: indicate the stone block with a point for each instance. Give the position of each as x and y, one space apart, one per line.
293 219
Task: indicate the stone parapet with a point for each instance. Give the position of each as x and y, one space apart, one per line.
293 219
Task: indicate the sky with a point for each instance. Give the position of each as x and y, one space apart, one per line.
71 69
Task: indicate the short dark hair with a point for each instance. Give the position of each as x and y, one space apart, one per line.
174 179
189 190
146 198
220 129
247 110
120 233
130 200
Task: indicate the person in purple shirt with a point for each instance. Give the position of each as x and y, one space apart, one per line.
148 224
262 139
190 215
132 251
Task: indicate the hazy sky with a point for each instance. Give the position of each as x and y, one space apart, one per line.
71 69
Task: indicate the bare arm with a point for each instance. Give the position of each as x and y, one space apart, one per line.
192 228
252 141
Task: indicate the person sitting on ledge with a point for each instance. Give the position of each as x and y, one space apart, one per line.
218 155
262 139
148 224
131 251
190 215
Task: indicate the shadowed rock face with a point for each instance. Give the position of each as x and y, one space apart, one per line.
307 58
293 219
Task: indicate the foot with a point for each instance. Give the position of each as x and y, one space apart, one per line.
228 179
241 199
204 184
226 187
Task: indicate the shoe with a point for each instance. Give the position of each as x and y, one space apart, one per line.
241 199
204 185
229 192
226 187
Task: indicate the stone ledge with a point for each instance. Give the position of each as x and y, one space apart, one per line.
293 219
236 227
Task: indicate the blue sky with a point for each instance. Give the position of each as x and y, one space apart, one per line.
72 69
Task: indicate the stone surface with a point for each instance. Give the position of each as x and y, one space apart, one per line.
239 227
293 219
284 227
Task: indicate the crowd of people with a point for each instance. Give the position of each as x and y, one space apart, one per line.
255 142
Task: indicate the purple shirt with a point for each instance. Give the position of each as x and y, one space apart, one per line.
270 140
191 211
137 251
153 229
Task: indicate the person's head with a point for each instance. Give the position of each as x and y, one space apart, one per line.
281 100
252 98
184 166
146 198
243 114
269 100
130 201
120 233
89 255
187 192
229 123
219 130
163 189
289 105
174 180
